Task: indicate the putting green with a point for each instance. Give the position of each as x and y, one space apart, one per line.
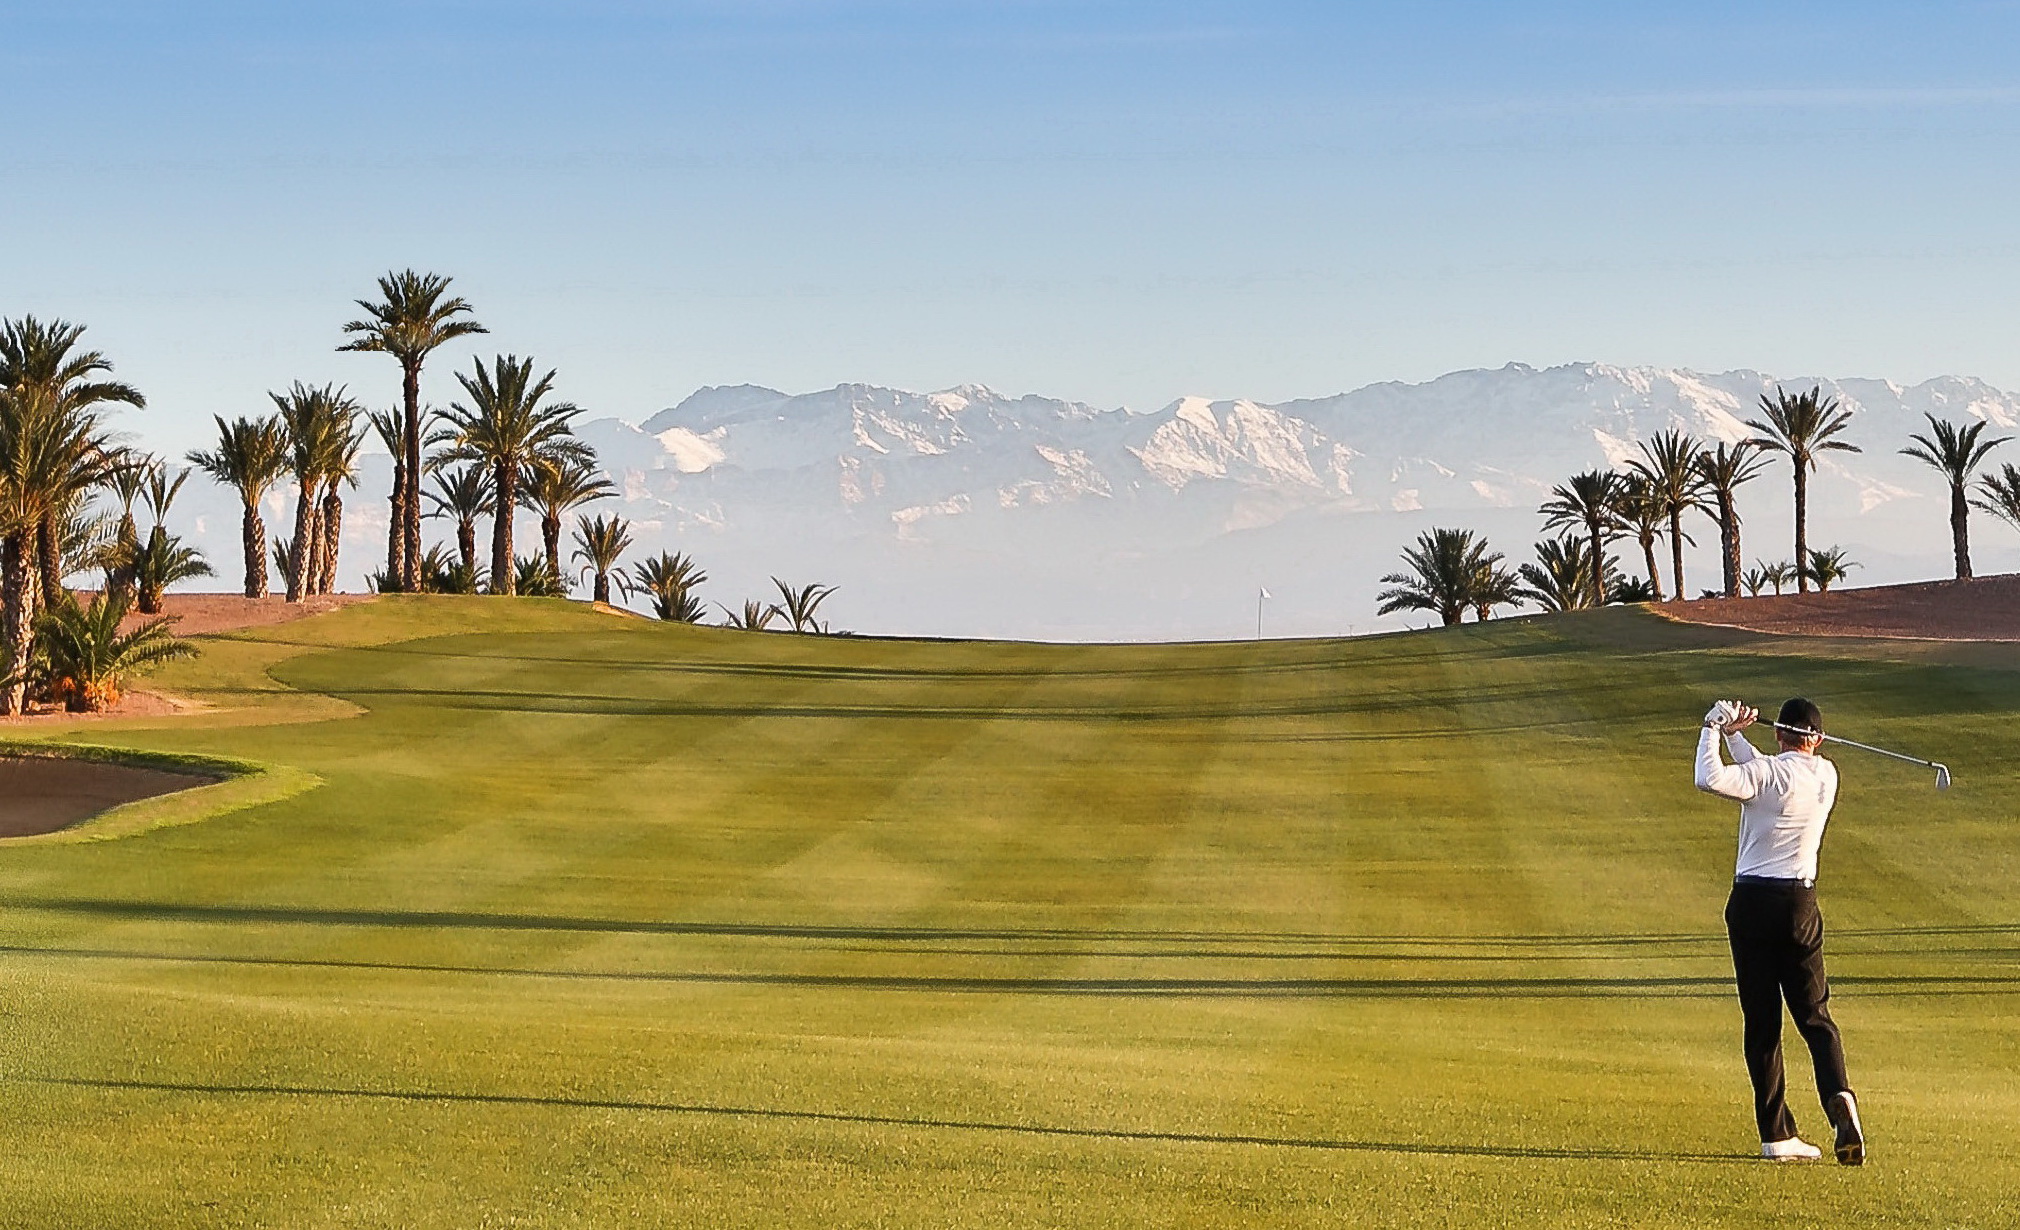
603 922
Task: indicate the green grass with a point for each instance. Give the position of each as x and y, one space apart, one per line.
601 922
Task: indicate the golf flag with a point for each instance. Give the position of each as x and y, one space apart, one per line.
1265 593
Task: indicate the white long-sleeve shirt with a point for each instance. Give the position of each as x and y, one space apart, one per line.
1784 803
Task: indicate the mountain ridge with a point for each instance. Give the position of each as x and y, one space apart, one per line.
970 512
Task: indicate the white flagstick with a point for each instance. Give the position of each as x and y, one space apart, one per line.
1261 593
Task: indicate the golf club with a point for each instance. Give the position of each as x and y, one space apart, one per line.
1942 771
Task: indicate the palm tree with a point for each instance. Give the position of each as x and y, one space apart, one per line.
1560 579
1827 567
1955 453
301 411
20 505
554 486
415 316
1779 574
340 468
1755 580
57 386
2002 494
443 574
508 424
1668 465
599 544
126 484
85 657
462 495
755 617
1494 586
250 456
392 433
1802 426
160 563
1586 503
1640 511
531 578
1630 590
1723 469
798 605
669 580
321 426
50 458
1445 568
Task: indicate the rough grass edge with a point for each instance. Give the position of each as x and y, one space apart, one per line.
245 784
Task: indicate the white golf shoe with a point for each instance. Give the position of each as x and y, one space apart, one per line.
1794 1149
1851 1137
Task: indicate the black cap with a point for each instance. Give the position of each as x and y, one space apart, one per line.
1801 714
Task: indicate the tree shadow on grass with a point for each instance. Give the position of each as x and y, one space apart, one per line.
435 1097
1205 943
1401 987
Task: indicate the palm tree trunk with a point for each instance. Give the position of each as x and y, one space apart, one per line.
121 578
333 531
300 557
396 534
17 616
603 587
49 555
1598 562
1728 542
1802 529
148 597
410 562
550 538
312 583
1654 576
466 544
505 477
253 536
1676 550
1960 530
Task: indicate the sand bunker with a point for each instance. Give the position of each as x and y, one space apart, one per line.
1985 609
41 794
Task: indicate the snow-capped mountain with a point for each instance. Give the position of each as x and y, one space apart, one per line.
969 512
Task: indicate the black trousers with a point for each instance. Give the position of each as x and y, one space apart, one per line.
1777 939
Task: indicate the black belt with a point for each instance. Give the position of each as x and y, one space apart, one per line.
1772 882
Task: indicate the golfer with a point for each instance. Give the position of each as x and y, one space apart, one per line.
1772 920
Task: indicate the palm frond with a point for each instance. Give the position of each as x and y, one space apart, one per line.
668 581
799 605
85 659
1450 572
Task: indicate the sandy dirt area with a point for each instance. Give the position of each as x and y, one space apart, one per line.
198 614
1983 609
43 794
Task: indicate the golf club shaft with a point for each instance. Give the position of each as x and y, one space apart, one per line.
1864 747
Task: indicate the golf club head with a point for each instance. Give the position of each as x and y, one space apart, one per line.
1942 777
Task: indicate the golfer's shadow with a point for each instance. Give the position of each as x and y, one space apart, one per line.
1233 1139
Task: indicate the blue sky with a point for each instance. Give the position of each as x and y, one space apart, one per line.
1114 201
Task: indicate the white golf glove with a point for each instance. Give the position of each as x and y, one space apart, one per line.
1722 714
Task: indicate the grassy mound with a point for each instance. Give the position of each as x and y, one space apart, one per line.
603 922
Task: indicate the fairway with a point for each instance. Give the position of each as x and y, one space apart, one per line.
589 921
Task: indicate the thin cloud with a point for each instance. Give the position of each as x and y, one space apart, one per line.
1840 98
